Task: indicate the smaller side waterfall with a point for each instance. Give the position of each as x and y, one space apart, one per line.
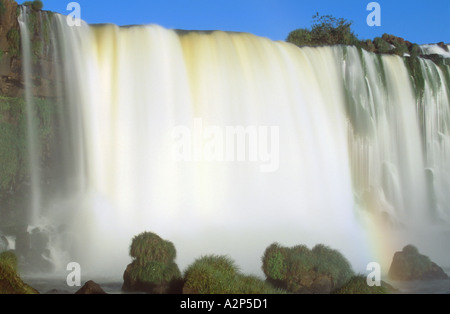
32 126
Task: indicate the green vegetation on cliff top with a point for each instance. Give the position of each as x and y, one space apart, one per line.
35 5
327 31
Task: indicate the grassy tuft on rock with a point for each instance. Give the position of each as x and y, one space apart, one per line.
148 246
301 270
216 274
10 282
358 285
153 268
331 262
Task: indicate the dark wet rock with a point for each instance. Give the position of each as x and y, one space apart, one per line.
56 291
91 287
322 285
4 244
32 250
443 46
409 265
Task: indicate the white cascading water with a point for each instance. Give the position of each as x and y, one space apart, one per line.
355 165
435 49
32 128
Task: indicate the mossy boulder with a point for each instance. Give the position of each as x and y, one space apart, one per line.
389 44
153 269
409 265
218 274
10 281
301 270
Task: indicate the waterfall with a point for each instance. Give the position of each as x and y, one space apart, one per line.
356 158
32 128
435 112
435 49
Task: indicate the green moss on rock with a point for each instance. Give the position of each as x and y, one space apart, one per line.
301 270
13 37
358 285
275 262
153 269
218 274
10 282
13 147
14 168
330 262
148 246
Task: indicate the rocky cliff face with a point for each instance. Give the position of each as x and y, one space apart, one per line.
11 71
11 78
14 148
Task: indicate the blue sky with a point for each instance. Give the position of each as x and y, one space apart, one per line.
418 21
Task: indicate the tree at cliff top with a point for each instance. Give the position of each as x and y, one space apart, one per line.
35 5
328 31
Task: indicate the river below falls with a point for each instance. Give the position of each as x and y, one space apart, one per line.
58 285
